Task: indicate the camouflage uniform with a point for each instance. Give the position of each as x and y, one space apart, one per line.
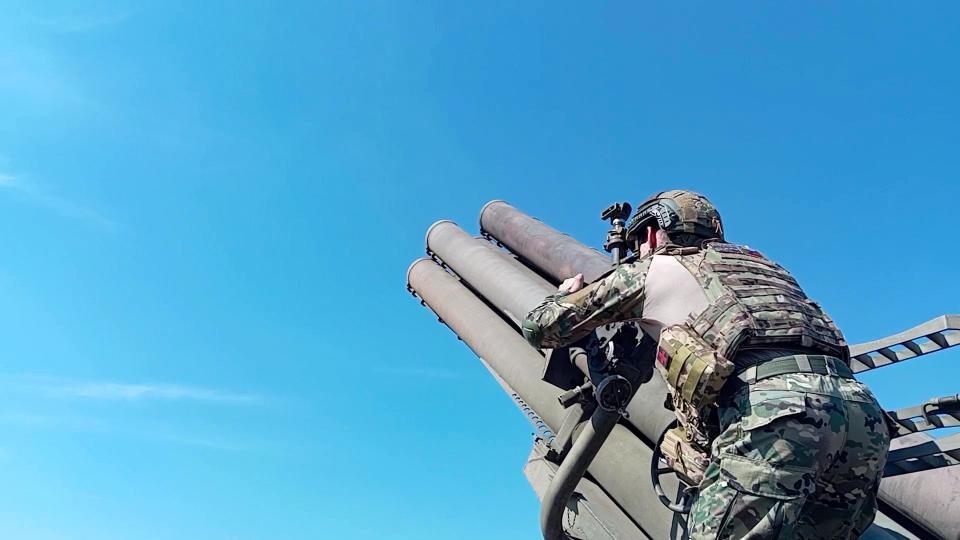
800 455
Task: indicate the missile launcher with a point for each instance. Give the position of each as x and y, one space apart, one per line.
593 463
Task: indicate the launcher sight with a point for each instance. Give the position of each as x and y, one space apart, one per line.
616 244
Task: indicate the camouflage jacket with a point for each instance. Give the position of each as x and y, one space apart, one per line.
730 296
562 318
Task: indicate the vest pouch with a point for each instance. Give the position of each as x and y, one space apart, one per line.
695 372
696 423
687 459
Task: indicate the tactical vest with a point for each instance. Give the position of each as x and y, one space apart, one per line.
754 303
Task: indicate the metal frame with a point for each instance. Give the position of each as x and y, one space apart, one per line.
932 454
923 418
940 333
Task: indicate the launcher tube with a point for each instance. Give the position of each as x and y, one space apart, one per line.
560 256
515 289
620 466
553 252
510 286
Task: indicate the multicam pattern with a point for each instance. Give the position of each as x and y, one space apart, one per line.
696 422
564 318
801 457
678 212
695 375
694 371
801 454
754 300
685 457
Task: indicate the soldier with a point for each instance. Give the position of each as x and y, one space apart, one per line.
801 444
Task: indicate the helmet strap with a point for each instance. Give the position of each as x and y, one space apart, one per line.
718 227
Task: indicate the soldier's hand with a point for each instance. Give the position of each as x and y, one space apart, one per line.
571 285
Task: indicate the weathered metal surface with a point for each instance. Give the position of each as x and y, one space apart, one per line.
560 256
927 455
510 286
620 464
590 514
543 430
515 290
549 250
884 528
924 418
930 498
932 336
572 469
487 335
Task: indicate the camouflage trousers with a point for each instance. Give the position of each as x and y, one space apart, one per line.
800 456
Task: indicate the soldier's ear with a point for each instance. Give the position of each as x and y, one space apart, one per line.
652 238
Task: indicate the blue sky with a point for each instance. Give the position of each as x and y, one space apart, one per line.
208 208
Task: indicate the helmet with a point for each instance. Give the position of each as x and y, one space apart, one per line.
678 211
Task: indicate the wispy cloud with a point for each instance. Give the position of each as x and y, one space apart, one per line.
76 21
122 391
32 193
53 387
106 407
110 391
153 431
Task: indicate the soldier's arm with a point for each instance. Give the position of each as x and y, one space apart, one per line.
562 319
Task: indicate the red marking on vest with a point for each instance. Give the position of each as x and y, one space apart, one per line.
662 357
